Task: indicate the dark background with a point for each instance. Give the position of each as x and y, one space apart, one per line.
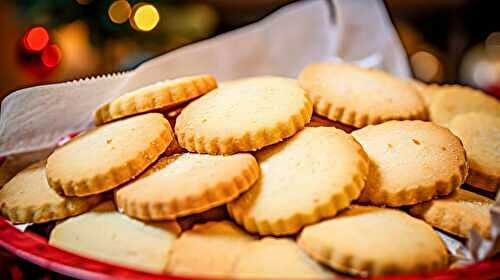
446 40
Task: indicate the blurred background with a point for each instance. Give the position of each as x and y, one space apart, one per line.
447 41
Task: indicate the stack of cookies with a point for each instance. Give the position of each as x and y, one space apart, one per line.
339 171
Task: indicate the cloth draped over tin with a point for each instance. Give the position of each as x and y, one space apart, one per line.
32 120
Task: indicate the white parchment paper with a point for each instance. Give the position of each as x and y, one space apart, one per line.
32 120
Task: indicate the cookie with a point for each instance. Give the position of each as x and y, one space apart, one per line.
243 115
358 97
188 183
372 241
480 134
457 213
158 96
456 100
277 259
107 235
410 162
105 157
311 176
28 198
208 250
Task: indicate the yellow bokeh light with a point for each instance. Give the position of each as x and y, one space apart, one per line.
119 11
145 17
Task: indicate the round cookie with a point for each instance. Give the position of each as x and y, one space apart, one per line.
277 259
311 176
480 134
28 198
457 213
110 236
243 115
358 97
454 100
410 162
159 96
107 156
185 184
220 243
375 241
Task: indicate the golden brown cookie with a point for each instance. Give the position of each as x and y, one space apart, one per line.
480 134
455 100
105 157
243 115
457 213
158 96
358 97
28 198
188 183
310 176
410 162
109 236
375 241
277 259
208 250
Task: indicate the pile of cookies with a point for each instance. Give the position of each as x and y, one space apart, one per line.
339 171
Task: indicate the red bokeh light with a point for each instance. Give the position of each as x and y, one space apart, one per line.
36 39
51 56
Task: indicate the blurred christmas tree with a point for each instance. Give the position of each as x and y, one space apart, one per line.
107 35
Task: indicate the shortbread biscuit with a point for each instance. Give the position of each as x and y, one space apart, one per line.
410 162
358 97
158 96
28 198
375 241
428 92
109 236
277 259
480 134
103 158
457 213
243 115
208 250
311 176
188 183
455 100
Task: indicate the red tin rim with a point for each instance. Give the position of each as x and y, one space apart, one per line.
35 249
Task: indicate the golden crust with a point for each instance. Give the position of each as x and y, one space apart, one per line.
359 97
303 160
158 96
457 213
27 198
186 184
372 241
455 100
480 134
108 156
416 149
243 115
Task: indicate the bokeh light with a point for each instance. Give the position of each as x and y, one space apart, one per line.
145 17
425 65
51 56
493 44
36 39
119 11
